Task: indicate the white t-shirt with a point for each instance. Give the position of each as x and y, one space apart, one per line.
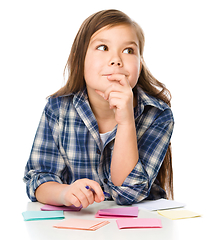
104 137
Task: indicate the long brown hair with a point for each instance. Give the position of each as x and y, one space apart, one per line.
149 84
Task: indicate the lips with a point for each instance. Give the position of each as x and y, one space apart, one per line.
109 74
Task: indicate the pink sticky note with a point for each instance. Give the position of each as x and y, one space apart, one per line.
81 224
139 223
119 212
60 208
110 217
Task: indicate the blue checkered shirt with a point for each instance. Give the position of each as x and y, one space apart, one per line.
67 147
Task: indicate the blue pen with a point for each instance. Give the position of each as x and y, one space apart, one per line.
107 195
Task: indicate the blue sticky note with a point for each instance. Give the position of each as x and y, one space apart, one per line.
42 215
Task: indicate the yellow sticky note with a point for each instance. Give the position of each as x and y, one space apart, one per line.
178 214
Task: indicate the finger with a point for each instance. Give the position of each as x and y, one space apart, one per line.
114 99
114 87
89 195
97 199
82 198
100 93
118 95
97 189
73 200
115 103
120 78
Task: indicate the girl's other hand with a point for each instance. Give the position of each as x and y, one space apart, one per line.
77 193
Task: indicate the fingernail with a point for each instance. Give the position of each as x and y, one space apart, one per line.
102 198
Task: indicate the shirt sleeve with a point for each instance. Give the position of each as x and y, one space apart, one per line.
152 147
45 163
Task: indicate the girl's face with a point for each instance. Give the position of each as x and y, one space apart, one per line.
112 50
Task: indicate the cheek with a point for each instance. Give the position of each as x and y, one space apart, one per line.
135 72
92 65
92 72
89 73
133 82
86 66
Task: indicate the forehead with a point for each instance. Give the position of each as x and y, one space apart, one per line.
120 33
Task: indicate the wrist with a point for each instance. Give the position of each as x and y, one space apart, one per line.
127 125
50 193
63 195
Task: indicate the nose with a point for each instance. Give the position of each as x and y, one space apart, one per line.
116 61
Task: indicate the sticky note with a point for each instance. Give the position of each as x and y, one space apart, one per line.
60 208
159 204
81 224
139 223
118 212
178 214
42 215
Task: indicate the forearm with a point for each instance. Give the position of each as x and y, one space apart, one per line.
50 193
76 194
125 153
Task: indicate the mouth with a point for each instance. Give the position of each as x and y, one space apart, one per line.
109 74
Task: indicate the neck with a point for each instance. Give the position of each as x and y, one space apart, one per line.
104 115
99 105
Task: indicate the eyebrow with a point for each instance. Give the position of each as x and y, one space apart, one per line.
107 41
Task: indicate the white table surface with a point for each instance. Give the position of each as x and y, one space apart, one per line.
193 228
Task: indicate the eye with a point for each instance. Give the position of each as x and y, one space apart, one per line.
102 48
128 51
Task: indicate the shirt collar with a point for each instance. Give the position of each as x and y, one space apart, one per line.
80 97
143 100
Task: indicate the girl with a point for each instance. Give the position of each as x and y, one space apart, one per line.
109 128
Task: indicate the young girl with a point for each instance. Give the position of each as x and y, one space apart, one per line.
109 128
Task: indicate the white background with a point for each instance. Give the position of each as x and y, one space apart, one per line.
35 42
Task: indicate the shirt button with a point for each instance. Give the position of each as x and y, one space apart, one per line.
105 180
98 151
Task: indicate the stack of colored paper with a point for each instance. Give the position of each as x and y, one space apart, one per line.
124 212
42 215
159 204
60 208
81 224
178 214
139 223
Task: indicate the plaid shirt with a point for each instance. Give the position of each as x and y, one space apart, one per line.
68 147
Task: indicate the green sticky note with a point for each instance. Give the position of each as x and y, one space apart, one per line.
42 215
